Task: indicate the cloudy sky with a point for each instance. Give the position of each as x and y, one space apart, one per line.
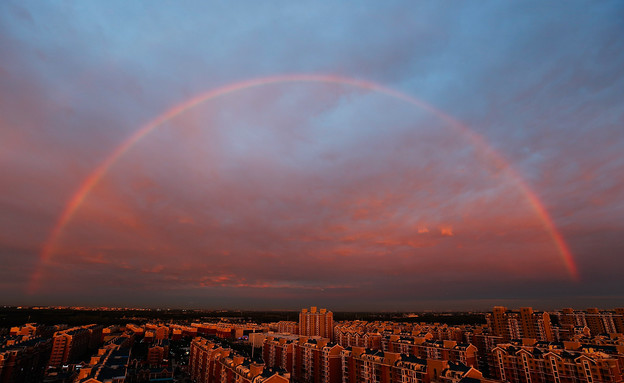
401 155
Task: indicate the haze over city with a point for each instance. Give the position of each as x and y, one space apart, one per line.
273 155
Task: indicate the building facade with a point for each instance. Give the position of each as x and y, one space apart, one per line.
316 322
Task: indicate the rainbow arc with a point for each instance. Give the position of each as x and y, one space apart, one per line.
477 140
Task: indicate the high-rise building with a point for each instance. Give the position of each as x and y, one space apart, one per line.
70 345
277 351
289 327
525 323
316 323
203 360
618 320
600 322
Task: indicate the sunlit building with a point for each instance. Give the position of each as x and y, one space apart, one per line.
571 317
484 342
358 334
27 330
277 351
600 322
71 344
203 360
159 331
618 319
573 322
316 323
237 369
288 327
435 349
110 365
374 366
316 360
525 323
543 362
157 353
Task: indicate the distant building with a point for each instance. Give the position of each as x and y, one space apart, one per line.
597 322
316 323
600 322
157 331
429 349
525 323
29 329
289 327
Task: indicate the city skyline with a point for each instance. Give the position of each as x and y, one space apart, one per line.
387 157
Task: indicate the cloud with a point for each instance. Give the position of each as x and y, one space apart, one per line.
311 191
446 231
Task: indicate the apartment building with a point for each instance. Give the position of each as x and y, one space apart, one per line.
203 360
485 343
374 366
71 344
288 327
110 365
24 361
316 322
237 369
350 336
278 351
542 362
525 323
157 353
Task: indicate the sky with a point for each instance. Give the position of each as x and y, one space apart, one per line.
365 155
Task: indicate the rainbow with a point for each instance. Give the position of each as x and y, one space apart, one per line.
87 185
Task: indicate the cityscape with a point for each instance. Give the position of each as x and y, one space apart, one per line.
503 345
207 191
